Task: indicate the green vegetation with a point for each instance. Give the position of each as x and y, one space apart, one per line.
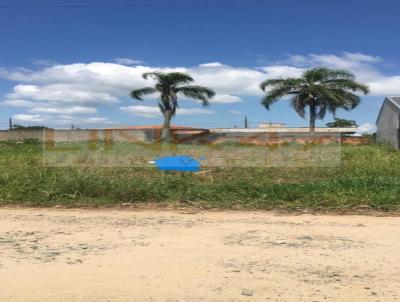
369 176
342 123
21 127
320 89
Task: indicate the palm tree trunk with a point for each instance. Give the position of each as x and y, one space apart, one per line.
313 114
166 130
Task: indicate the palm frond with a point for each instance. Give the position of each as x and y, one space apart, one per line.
176 78
276 93
299 103
152 75
139 93
201 93
322 74
348 100
281 82
347 84
337 74
321 110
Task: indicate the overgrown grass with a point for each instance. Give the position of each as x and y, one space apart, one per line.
369 176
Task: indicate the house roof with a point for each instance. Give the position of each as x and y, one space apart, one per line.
394 100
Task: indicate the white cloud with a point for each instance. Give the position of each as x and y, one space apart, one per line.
30 118
17 103
154 111
282 71
104 84
127 61
225 99
366 128
63 93
70 119
61 120
64 110
140 110
25 90
96 120
212 64
346 60
385 85
117 80
235 111
230 80
364 66
193 111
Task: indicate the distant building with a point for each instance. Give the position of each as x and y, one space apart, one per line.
271 125
175 129
388 122
280 128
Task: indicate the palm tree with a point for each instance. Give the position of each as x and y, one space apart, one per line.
321 89
168 86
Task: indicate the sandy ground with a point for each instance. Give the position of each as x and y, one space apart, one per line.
118 255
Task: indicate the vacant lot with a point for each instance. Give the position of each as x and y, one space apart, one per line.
368 177
121 256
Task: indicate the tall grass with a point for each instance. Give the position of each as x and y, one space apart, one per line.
369 176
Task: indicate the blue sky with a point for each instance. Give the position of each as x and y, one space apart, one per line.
74 62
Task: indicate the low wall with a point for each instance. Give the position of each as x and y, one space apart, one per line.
76 135
202 136
20 135
356 140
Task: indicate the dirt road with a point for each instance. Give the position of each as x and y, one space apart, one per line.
111 255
